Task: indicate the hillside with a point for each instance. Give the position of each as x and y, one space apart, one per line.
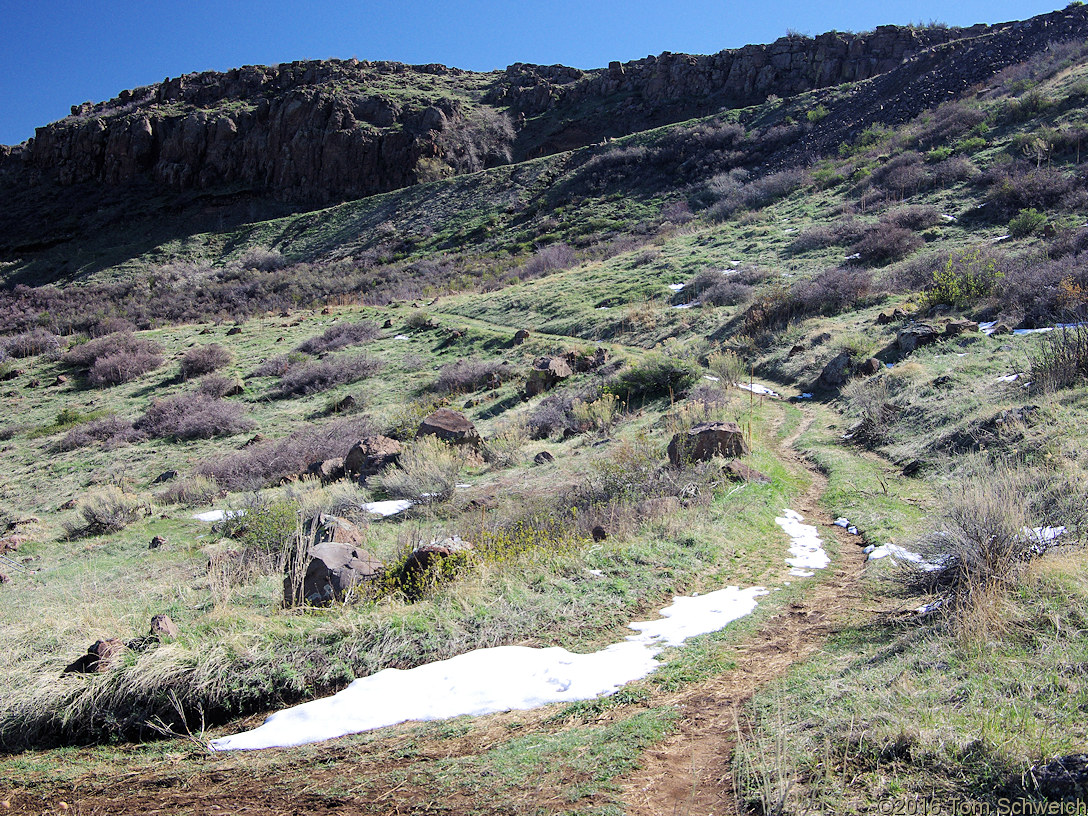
240 311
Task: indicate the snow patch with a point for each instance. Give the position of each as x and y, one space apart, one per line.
219 515
676 287
806 546
756 388
387 508
902 554
502 678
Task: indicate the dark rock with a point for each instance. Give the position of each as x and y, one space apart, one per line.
1064 779
256 439
334 564
707 440
328 471
916 336
166 476
388 324
599 533
520 336
837 371
157 542
348 403
163 628
869 367
60 380
99 656
234 330
999 329
546 373
913 467
543 458
583 362
4 578
370 456
944 379
740 472
425 557
954 328
794 351
34 383
11 375
450 426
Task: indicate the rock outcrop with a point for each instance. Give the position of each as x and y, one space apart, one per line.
333 566
546 373
707 440
450 426
370 456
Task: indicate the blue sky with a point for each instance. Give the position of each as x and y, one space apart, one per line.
56 53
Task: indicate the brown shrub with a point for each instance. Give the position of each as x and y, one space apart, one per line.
115 358
110 431
465 376
200 360
340 335
192 416
312 378
31 343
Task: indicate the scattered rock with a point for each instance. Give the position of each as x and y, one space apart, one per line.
707 440
869 367
837 371
913 467
11 375
4 578
884 318
156 543
740 472
954 328
450 426
69 505
255 440
325 311
163 628
328 470
916 336
1000 329
794 351
520 336
348 403
166 476
34 383
427 557
599 533
584 361
543 458
1064 779
234 330
388 324
546 373
100 655
334 563
60 380
370 456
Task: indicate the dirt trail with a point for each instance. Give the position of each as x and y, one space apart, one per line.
691 772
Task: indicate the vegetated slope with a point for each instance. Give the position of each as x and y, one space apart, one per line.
214 149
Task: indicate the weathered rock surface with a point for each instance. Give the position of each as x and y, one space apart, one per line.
545 374
327 470
837 371
954 328
370 456
740 472
543 458
707 440
426 557
1064 779
916 336
100 655
450 426
334 563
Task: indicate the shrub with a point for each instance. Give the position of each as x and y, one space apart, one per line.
553 258
965 278
312 378
831 292
555 413
506 447
109 510
200 360
655 376
735 195
915 217
110 431
600 414
262 259
217 386
843 231
115 358
1026 222
419 321
1061 360
722 288
31 343
340 335
192 416
817 114
886 243
427 472
192 491
465 376
276 366
1020 186
265 463
728 367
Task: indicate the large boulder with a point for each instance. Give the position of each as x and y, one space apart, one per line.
916 336
587 361
450 426
370 456
1064 779
837 371
954 328
545 374
430 562
327 470
334 563
707 440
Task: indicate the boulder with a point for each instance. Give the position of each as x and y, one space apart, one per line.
428 556
916 336
707 440
837 371
999 329
163 628
234 330
884 318
100 655
60 380
954 328
869 367
370 456
333 565
166 476
156 543
584 361
546 373
450 426
740 472
794 351
520 336
543 458
4 578
388 324
599 533
328 470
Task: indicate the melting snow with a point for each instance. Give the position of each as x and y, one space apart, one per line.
401 337
686 305
676 287
756 388
502 678
387 508
806 546
218 515
901 554
712 378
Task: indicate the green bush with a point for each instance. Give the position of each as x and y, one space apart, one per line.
964 278
1026 222
817 114
654 377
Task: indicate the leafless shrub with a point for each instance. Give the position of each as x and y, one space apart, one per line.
200 360
915 217
552 258
954 169
192 491
110 432
274 366
555 413
950 120
115 358
886 243
426 472
340 335
465 376
218 386
266 463
722 287
262 259
831 292
843 231
737 196
1061 360
312 378
109 510
1020 186
192 416
31 343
